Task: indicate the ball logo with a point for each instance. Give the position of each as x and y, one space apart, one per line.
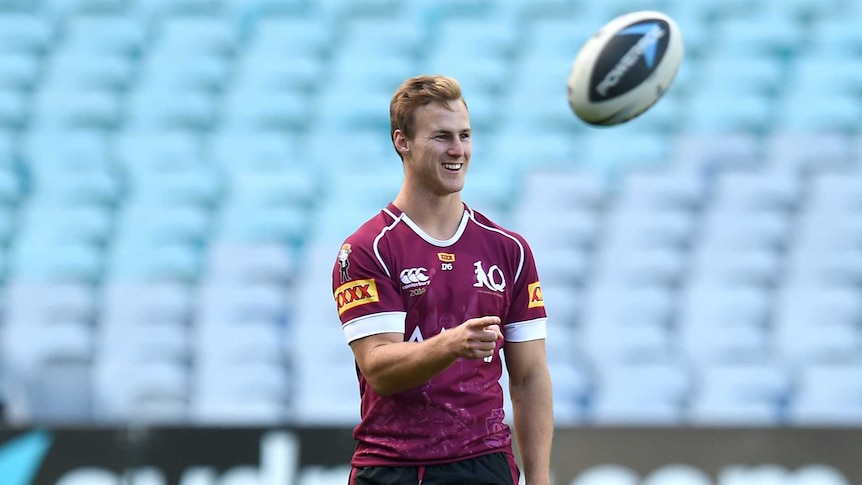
629 58
356 293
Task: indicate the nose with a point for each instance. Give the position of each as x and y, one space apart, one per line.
456 149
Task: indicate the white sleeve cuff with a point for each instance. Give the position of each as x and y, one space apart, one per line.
364 326
526 331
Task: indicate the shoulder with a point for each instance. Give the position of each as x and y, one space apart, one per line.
494 230
373 230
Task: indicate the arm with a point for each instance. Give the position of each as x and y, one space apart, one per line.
391 365
532 403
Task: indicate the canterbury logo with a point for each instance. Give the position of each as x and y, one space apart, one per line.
355 293
414 275
536 299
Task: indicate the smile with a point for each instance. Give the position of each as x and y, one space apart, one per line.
453 166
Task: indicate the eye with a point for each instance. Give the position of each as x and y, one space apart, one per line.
465 136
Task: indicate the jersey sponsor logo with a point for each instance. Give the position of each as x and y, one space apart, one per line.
535 292
343 262
493 279
356 293
446 257
414 277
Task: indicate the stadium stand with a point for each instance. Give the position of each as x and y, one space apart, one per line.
176 177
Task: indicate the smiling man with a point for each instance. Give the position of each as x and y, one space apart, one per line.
434 292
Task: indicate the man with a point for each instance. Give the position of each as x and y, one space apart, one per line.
428 292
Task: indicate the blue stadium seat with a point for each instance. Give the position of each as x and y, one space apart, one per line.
91 224
563 228
835 37
758 35
134 304
751 190
715 152
275 224
730 74
55 261
83 70
740 394
123 35
19 71
196 33
683 190
734 230
809 152
828 395
25 33
723 323
14 109
288 36
639 228
387 36
816 323
68 106
147 391
243 393
272 72
171 71
251 109
234 261
641 266
707 113
143 262
159 223
162 109
623 323
642 392
834 113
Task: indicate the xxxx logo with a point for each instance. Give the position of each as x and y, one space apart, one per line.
355 293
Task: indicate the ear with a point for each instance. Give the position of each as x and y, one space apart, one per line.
402 144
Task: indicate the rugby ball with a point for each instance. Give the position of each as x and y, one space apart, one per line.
625 68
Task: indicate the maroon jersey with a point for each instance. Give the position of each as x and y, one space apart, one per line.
390 276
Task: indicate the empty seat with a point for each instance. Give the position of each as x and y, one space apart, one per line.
662 189
642 228
624 323
25 33
827 395
254 109
239 393
724 323
237 262
140 391
105 34
809 152
646 393
727 265
816 323
716 151
741 229
131 304
740 394
664 266
563 229
757 190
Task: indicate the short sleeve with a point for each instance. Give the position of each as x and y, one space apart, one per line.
526 319
368 302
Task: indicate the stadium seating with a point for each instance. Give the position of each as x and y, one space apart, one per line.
177 175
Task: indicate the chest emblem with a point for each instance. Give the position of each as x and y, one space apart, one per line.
493 279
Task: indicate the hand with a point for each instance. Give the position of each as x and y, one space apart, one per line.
477 337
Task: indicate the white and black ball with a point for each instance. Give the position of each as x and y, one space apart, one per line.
625 68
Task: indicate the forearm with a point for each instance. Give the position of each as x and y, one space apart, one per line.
396 367
532 403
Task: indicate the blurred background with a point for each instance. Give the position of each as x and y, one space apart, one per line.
176 177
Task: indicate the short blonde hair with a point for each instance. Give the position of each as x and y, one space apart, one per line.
415 93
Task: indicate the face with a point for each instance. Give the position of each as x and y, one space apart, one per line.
436 158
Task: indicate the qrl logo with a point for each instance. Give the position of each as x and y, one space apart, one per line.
355 293
414 275
493 279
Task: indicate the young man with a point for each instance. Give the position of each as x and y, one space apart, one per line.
428 292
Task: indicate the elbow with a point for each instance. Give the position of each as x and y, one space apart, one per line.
380 386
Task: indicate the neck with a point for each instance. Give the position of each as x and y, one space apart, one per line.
438 216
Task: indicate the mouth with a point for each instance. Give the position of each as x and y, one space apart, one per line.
453 167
